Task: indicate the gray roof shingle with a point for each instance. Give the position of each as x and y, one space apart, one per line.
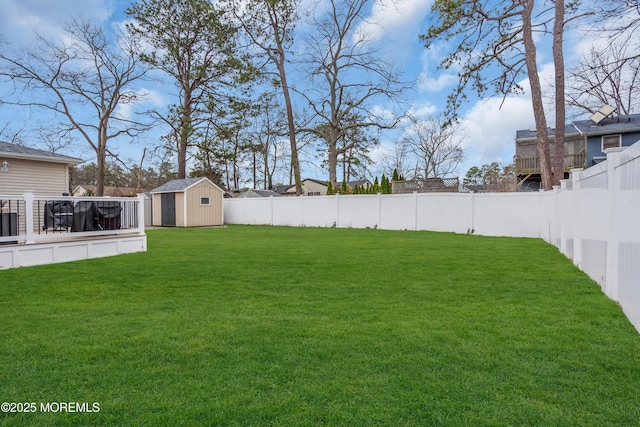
21 152
176 185
617 124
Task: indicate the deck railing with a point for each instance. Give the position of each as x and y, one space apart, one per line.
31 219
531 165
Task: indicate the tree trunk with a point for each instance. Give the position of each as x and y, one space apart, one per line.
536 96
333 164
100 172
101 158
295 164
558 61
185 130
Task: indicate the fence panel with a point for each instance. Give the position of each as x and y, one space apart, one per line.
398 212
287 211
510 214
255 211
362 211
445 212
320 211
626 232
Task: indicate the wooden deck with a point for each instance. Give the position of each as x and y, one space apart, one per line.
531 165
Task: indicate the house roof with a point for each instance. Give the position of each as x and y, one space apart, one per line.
531 134
611 125
258 193
317 181
15 151
282 189
181 185
360 183
111 191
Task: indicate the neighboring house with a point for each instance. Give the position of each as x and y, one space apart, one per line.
29 169
585 142
257 193
285 190
190 202
315 187
527 165
84 189
620 131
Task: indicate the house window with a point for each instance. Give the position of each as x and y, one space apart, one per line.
204 201
313 193
611 141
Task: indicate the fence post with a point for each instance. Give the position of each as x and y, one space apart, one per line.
140 214
576 202
562 203
270 208
472 198
611 280
28 217
415 211
379 210
556 218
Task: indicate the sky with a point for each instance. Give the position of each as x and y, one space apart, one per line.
489 125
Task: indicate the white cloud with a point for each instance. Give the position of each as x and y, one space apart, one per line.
489 130
440 82
395 19
150 98
21 19
423 111
395 25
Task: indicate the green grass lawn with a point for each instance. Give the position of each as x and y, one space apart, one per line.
245 326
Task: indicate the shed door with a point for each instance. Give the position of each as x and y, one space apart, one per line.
168 206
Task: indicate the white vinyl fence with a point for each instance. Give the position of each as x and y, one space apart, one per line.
593 218
499 214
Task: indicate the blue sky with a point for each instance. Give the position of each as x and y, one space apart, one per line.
489 130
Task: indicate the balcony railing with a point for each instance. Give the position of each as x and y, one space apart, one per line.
531 165
31 219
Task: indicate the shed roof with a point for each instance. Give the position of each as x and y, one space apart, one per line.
15 151
181 185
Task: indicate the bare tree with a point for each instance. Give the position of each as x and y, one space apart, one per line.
606 76
270 126
619 19
349 76
394 159
268 26
10 135
83 79
437 145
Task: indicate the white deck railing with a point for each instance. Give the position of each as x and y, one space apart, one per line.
30 219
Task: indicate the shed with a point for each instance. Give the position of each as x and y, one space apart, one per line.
190 202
